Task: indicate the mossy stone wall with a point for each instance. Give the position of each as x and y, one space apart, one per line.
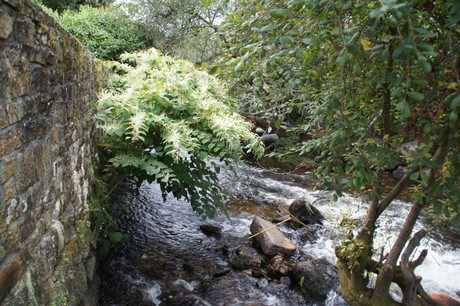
48 83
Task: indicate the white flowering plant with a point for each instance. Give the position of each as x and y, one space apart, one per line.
164 120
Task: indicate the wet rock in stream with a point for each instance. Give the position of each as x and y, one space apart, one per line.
315 278
211 230
303 211
271 240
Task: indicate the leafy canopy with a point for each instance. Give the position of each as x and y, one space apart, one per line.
182 28
163 120
105 31
363 76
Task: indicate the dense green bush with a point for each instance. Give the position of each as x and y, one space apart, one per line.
163 120
106 31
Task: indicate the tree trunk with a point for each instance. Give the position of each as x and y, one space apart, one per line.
385 278
411 281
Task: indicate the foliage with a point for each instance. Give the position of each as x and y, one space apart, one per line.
163 120
101 219
182 28
106 31
60 6
365 77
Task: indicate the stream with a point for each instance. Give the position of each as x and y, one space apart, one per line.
168 260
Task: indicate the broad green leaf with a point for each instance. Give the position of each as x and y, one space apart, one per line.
279 13
269 28
287 40
425 33
355 50
404 108
453 118
416 96
307 41
377 13
425 65
341 59
421 82
249 47
455 15
455 103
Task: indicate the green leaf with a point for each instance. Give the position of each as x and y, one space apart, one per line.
342 58
287 40
425 33
249 47
202 155
307 41
454 15
377 13
421 82
455 103
355 50
116 237
416 96
453 118
279 13
404 108
269 28
215 70
425 65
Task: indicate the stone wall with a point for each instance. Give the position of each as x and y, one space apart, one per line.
48 82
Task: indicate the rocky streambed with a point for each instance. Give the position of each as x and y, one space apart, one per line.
173 257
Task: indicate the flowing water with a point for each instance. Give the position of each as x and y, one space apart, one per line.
167 259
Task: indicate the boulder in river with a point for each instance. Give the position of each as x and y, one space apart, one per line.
305 212
271 240
315 278
211 230
269 139
243 256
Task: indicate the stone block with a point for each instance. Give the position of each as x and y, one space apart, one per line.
7 170
43 164
10 142
9 191
25 32
6 25
39 81
27 175
46 254
39 56
271 240
16 71
15 111
3 119
37 127
28 227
